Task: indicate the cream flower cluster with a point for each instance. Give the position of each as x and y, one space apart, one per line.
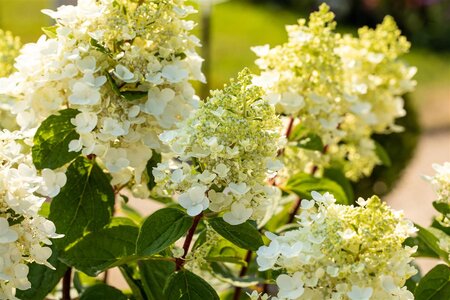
441 181
9 49
342 88
125 65
226 149
342 252
22 229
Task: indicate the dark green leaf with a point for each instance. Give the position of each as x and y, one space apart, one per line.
133 95
338 176
97 46
161 229
227 259
223 273
441 224
156 158
411 283
435 285
442 207
109 247
84 204
382 155
311 141
43 279
113 84
161 199
431 237
51 141
306 139
77 283
134 284
243 235
154 274
422 248
303 184
188 286
102 292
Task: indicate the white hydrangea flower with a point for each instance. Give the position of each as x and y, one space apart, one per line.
340 88
124 65
224 148
24 234
360 293
441 181
194 200
339 252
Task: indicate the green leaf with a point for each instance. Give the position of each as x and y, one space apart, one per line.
298 132
188 286
227 259
440 223
50 31
161 199
431 237
43 279
382 154
102 291
84 204
307 140
109 247
338 176
224 274
422 248
97 46
51 141
311 141
243 235
134 284
113 84
281 218
412 282
303 184
435 285
442 207
153 161
154 274
161 229
133 95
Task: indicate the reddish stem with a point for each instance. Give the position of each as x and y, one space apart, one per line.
287 134
290 126
179 262
248 259
66 284
294 210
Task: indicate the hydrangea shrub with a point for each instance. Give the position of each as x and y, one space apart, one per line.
104 103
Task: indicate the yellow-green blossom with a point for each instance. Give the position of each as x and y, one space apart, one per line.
341 88
342 252
232 140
